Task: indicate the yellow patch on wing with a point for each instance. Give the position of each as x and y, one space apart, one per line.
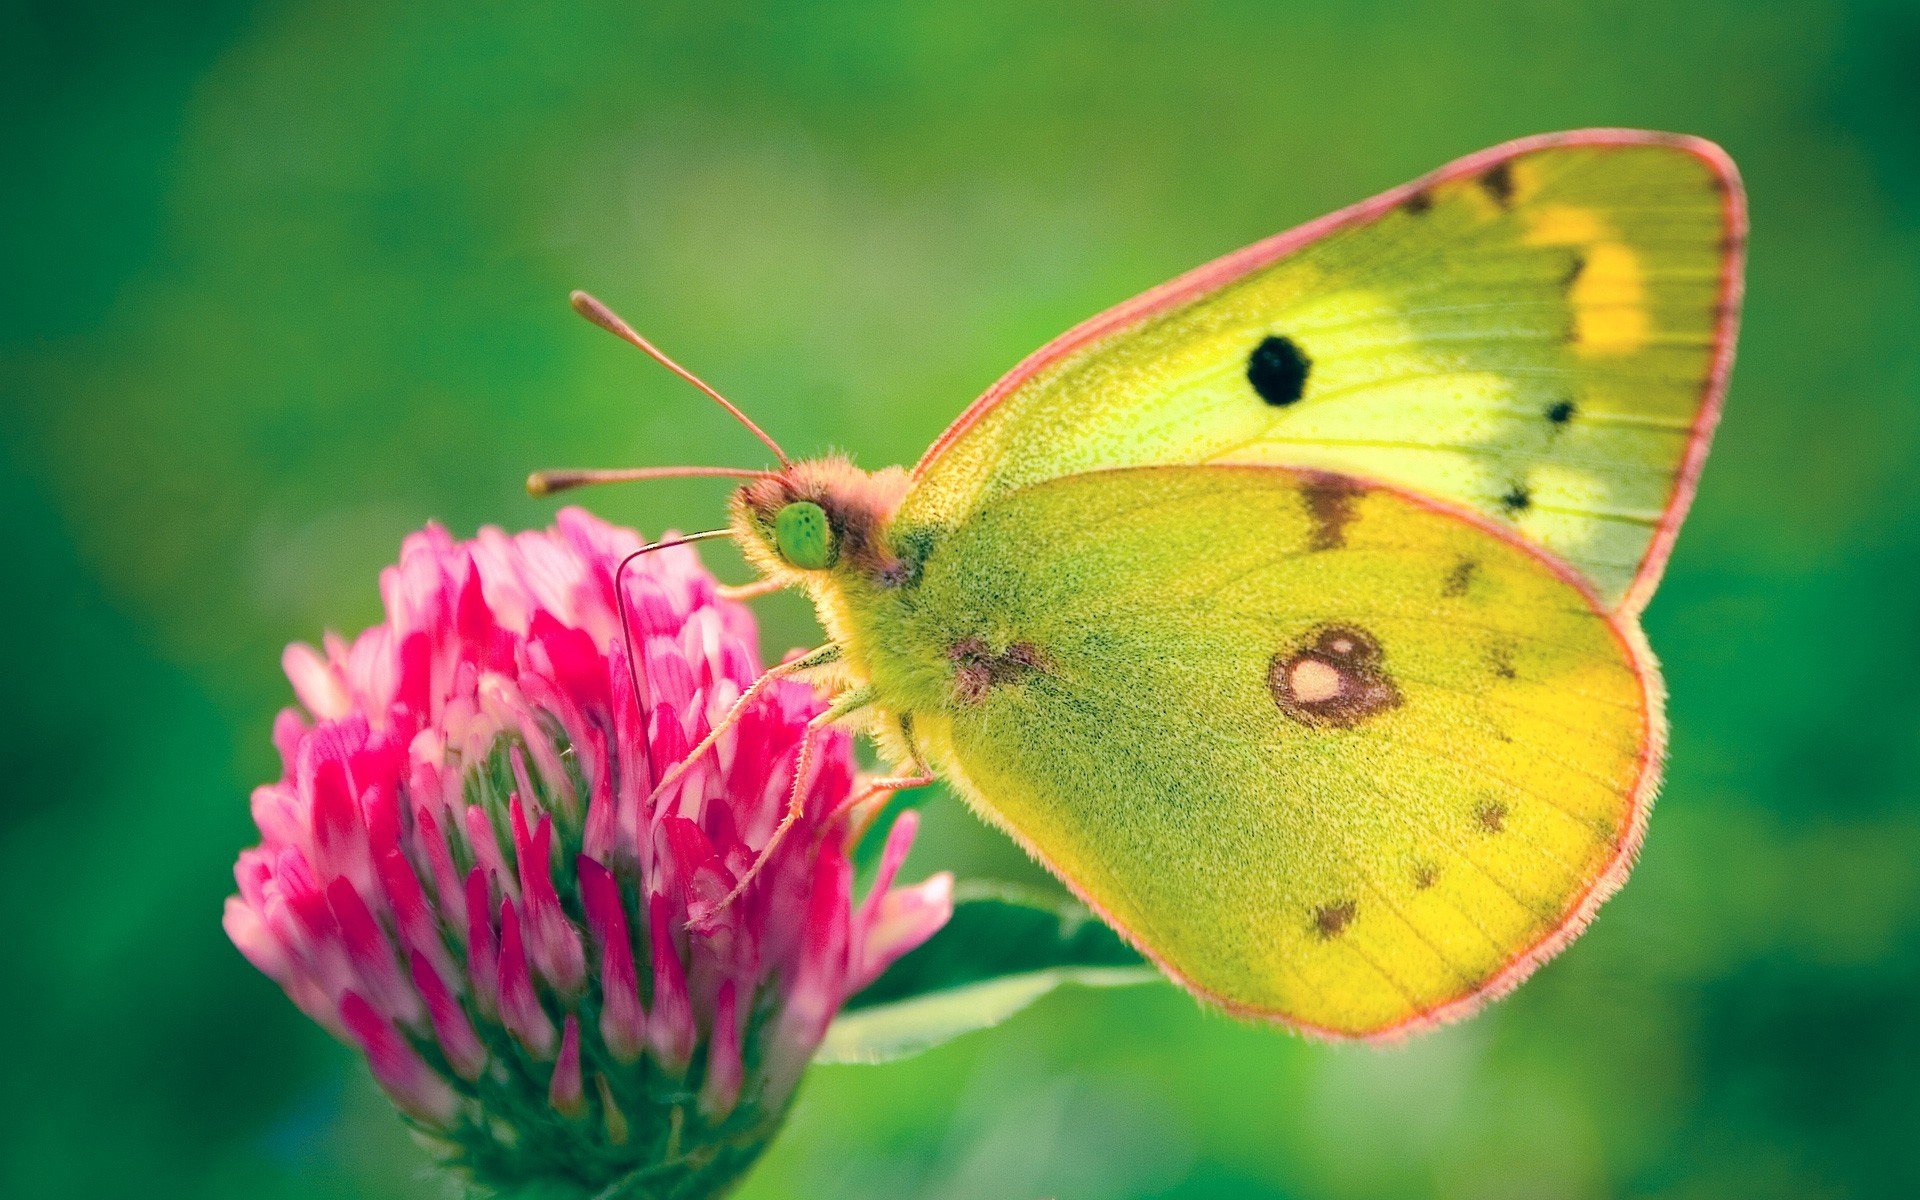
1564 225
1524 181
1608 293
1609 299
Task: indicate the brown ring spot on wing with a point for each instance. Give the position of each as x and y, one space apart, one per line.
1336 680
1425 875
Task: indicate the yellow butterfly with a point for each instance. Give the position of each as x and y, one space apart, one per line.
1288 612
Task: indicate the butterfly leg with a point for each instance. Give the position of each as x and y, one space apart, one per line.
845 704
824 656
857 806
750 591
887 786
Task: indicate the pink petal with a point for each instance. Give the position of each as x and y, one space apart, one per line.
339 834
414 1087
289 730
623 1024
899 841
904 919
372 955
483 955
720 1091
446 879
414 919
565 1093
316 683
670 1029
546 760
635 780
520 1009
451 1028
248 931
602 805
819 979
892 922
485 844
552 941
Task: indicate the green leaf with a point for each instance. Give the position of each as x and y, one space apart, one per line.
1004 948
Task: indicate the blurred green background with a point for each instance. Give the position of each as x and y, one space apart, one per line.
285 280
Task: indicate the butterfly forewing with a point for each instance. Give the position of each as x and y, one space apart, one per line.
1539 333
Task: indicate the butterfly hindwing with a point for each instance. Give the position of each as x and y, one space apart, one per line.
1328 752
1539 333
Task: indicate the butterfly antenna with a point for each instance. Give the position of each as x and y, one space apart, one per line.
546 483
643 697
606 319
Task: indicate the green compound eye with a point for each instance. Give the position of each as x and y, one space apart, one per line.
804 536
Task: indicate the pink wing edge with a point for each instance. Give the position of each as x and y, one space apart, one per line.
1229 267
1579 913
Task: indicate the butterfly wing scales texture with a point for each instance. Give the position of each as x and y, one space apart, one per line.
1540 333
1330 753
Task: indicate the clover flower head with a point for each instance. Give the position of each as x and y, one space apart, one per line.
469 868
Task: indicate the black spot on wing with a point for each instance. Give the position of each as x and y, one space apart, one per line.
1498 183
1561 411
1278 369
1418 204
1518 499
